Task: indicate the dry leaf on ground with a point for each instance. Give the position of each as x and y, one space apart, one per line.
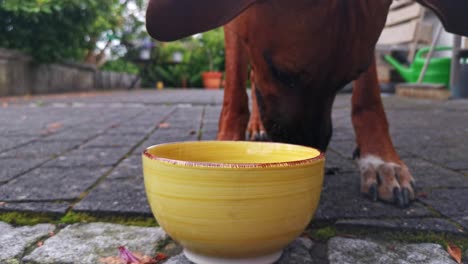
455 252
164 125
128 257
160 257
111 260
143 259
52 128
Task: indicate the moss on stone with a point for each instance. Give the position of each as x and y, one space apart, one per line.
440 238
322 233
72 217
25 218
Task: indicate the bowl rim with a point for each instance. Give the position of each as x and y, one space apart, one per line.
319 157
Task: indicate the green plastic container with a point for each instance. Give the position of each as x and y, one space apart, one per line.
438 71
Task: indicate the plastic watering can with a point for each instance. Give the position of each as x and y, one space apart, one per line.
437 72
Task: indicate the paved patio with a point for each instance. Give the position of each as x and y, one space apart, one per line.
81 153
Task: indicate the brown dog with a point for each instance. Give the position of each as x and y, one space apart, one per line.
302 52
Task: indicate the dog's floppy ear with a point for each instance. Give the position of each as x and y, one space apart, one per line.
452 13
168 20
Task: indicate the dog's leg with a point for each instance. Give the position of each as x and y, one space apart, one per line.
235 112
255 129
383 174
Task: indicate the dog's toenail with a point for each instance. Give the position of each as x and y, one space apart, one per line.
257 137
373 192
406 196
398 197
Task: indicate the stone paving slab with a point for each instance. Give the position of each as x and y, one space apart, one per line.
449 202
452 158
11 168
338 164
168 135
116 196
15 240
429 175
88 243
342 191
351 251
59 208
131 129
50 184
462 220
74 134
408 224
90 157
128 168
114 141
39 149
9 142
344 148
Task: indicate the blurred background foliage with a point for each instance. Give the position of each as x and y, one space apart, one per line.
108 34
200 53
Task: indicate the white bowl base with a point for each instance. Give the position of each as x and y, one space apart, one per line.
202 259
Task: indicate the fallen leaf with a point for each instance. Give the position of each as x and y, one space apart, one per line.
193 132
160 257
51 234
2 203
52 128
164 125
455 252
40 244
127 256
422 195
148 260
112 260
391 248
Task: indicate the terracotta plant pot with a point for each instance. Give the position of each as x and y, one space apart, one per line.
212 80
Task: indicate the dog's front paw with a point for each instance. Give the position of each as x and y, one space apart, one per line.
387 181
255 130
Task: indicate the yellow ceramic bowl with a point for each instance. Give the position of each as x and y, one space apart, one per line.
233 200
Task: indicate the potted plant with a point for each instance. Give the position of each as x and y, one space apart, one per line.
212 44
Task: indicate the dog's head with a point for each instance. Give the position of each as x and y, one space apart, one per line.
174 19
